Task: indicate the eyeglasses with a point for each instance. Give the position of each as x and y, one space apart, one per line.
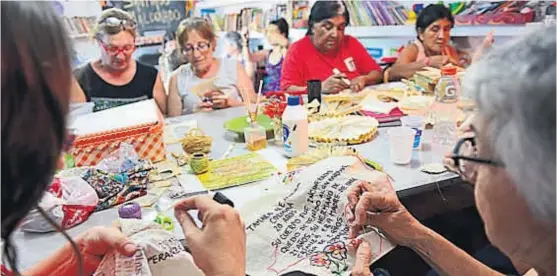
201 47
117 22
114 50
465 153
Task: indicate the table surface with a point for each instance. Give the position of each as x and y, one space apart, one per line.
407 179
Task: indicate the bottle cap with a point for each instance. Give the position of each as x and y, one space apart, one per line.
293 100
448 71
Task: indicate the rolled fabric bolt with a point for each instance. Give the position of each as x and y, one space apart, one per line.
337 72
130 210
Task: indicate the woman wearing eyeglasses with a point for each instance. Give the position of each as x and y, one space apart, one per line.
340 61
206 82
116 78
513 134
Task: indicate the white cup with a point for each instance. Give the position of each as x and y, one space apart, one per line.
401 140
416 123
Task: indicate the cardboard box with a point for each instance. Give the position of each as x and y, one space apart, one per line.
98 134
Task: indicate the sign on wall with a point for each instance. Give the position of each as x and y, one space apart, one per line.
155 15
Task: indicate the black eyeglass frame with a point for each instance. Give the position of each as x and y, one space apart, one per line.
456 157
195 48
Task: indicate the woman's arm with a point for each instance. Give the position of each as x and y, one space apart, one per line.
399 226
76 93
486 44
174 101
248 64
159 94
245 87
92 246
406 65
443 256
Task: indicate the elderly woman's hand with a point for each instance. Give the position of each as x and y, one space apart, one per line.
375 203
98 241
219 246
358 83
363 260
334 84
219 100
438 61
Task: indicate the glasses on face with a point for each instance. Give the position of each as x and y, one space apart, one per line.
201 47
465 155
114 50
117 22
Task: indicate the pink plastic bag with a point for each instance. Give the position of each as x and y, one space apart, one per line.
68 201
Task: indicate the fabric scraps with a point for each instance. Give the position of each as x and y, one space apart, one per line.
117 188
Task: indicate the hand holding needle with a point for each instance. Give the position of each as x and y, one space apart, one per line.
337 72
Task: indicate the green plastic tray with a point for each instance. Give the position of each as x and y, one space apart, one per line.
238 124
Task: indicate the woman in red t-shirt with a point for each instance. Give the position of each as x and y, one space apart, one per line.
326 48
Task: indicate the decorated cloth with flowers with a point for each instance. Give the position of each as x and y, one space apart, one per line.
307 230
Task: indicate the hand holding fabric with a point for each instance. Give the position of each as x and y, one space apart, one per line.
376 204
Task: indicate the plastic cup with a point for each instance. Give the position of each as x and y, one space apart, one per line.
401 140
416 123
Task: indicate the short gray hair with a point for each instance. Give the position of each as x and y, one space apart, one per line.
514 87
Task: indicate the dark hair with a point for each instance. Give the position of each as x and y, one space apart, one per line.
235 38
36 81
323 10
432 13
282 26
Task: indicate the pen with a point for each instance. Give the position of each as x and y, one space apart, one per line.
337 72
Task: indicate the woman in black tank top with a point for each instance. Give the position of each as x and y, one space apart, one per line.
116 78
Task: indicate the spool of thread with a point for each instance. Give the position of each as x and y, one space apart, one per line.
130 210
199 163
165 221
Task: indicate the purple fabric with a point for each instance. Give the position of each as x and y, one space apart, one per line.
272 82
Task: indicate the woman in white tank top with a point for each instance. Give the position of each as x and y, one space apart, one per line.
432 47
205 83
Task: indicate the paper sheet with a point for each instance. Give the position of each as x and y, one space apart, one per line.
238 170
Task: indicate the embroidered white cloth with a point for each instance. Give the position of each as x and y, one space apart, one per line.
307 230
160 253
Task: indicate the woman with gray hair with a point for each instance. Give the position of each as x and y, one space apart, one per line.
514 129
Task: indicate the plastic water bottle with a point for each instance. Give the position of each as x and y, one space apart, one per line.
295 128
445 110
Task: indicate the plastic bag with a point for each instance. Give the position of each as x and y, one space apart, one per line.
68 201
121 160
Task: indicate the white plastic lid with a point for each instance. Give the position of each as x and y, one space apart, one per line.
412 121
